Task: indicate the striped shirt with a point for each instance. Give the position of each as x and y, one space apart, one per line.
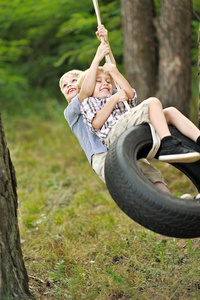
92 105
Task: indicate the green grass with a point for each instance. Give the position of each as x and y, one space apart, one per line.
76 242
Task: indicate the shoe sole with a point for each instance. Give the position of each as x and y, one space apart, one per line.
180 158
186 196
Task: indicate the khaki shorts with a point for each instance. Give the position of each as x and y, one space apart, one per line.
152 174
135 116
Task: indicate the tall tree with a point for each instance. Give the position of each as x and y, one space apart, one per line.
13 276
199 72
175 39
140 47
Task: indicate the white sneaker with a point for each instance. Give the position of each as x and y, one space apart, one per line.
187 196
197 196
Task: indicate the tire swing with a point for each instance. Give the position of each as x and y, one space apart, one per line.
139 198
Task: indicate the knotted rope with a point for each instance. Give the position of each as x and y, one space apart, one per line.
107 57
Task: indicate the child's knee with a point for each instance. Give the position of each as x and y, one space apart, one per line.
170 112
154 101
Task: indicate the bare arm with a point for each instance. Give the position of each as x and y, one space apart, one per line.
119 78
105 112
126 92
103 33
88 84
90 79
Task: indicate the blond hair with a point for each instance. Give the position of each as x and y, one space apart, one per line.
72 72
82 77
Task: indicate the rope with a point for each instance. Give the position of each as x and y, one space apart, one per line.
96 7
107 57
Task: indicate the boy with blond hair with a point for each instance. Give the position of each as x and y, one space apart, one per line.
90 143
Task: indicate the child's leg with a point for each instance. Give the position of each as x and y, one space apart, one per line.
157 118
184 125
171 149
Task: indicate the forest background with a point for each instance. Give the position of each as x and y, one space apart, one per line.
76 242
41 40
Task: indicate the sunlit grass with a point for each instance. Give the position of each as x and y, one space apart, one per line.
77 244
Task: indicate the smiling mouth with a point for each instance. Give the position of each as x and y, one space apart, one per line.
105 90
71 90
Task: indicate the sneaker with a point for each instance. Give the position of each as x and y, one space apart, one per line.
186 196
172 150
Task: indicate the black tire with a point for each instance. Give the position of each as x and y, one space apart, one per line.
138 198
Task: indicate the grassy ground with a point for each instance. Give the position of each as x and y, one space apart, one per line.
77 244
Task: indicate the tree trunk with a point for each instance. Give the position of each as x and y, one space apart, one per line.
13 276
175 37
199 73
140 46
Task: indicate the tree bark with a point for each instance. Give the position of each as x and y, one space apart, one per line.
13 275
199 72
175 38
140 46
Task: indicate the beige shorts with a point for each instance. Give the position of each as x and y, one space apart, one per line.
135 116
152 174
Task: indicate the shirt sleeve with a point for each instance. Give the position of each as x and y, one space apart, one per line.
89 109
132 102
72 112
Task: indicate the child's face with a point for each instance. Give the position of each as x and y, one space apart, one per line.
103 86
69 87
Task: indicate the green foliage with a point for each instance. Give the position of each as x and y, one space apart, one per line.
196 6
40 40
